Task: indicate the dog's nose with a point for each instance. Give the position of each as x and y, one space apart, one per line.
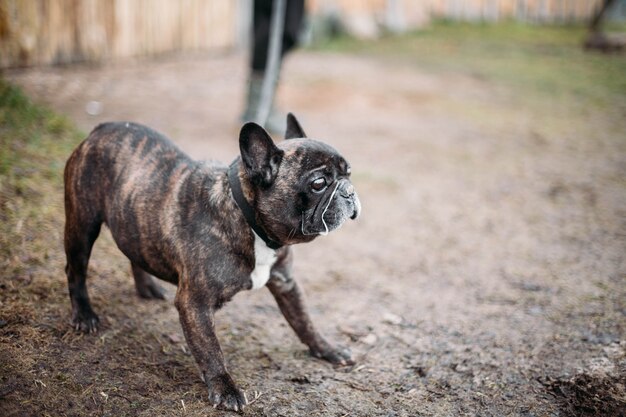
347 191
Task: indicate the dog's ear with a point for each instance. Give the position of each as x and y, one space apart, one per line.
294 130
261 158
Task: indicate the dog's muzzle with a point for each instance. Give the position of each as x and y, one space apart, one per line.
340 204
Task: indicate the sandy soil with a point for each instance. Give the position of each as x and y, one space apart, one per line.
485 276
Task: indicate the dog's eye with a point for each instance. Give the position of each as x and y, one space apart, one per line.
318 184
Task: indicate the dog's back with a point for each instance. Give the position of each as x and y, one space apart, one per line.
120 154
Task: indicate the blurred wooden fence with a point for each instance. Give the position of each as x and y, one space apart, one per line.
398 15
534 10
44 32
35 32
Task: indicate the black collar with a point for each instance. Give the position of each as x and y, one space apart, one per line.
246 209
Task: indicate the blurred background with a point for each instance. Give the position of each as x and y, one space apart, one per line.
67 31
486 276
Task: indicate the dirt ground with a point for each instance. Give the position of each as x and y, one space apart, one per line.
485 277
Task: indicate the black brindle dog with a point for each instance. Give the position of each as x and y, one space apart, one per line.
211 230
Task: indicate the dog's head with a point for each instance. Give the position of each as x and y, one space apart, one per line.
301 188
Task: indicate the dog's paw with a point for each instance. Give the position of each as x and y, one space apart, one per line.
223 393
85 321
334 354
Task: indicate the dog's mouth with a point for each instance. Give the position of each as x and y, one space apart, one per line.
321 228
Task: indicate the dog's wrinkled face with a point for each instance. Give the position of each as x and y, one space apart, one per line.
303 186
318 182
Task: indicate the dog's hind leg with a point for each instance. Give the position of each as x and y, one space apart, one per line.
82 227
145 284
80 235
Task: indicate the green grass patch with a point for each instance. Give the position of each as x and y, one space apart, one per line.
32 137
34 144
542 60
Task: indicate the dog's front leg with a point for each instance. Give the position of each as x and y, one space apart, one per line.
196 318
290 300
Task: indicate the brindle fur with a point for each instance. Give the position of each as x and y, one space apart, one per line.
175 218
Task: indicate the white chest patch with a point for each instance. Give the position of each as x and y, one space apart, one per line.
264 259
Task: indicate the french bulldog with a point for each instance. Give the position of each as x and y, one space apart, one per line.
212 230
